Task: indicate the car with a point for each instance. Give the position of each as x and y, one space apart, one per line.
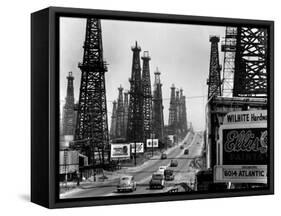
161 169
174 163
126 183
186 151
157 180
163 156
169 175
181 147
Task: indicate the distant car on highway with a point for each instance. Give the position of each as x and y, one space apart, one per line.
169 175
186 151
161 169
163 156
174 163
181 147
127 183
157 180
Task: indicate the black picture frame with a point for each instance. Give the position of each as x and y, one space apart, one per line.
45 100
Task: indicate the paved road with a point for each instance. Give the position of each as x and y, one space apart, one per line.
142 174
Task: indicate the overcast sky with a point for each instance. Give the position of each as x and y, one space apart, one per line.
180 51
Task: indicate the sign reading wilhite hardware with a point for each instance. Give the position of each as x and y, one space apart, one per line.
256 116
243 148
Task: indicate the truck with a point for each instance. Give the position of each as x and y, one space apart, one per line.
157 180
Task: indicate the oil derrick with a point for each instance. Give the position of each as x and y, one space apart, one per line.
229 48
172 111
183 120
178 110
68 109
250 77
135 130
147 97
157 114
214 81
120 130
91 134
126 109
113 121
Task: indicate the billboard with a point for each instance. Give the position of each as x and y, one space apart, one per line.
150 141
69 161
139 147
120 150
242 148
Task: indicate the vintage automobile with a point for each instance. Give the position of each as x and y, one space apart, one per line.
174 163
169 175
127 183
157 181
163 156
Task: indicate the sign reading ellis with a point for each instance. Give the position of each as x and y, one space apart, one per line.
244 146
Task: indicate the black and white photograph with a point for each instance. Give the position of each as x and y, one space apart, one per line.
161 108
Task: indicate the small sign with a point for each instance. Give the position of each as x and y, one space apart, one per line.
241 173
150 141
244 117
139 149
120 150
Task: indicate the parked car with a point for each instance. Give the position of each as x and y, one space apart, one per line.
127 183
186 151
163 156
169 175
181 147
157 180
174 163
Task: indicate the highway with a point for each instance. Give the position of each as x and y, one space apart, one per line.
142 174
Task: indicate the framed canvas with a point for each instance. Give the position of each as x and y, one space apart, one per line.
139 107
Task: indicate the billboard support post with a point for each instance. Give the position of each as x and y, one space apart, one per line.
135 153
